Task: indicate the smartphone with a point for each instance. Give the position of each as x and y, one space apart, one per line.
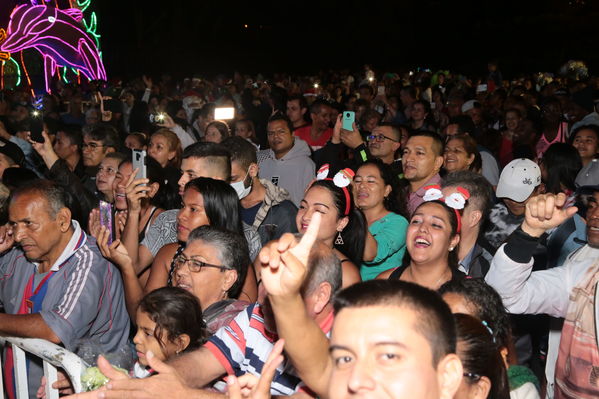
106 218
381 91
36 126
348 120
224 113
157 118
139 163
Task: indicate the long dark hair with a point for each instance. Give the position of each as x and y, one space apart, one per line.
562 163
452 257
221 203
396 200
480 356
175 312
354 234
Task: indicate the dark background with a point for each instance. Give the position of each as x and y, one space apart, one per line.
209 37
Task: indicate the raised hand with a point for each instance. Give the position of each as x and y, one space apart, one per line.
93 223
336 137
115 252
147 81
7 239
257 388
168 122
544 212
120 219
44 149
136 190
285 262
352 138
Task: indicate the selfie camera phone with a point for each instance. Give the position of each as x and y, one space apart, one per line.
139 162
36 126
348 120
157 118
106 218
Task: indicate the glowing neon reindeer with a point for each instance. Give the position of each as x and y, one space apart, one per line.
57 35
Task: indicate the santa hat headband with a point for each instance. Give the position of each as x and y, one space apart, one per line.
456 201
342 179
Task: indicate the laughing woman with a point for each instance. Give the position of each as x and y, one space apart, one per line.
343 227
461 153
432 240
375 193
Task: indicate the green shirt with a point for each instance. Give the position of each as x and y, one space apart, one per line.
390 235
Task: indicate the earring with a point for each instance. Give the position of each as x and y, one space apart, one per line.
339 240
450 249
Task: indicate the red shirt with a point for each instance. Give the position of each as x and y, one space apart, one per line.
304 134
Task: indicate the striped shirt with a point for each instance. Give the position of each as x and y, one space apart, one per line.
84 304
244 345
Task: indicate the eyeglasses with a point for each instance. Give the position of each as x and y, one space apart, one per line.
195 266
380 137
91 146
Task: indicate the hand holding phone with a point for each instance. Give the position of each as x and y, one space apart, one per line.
348 120
139 163
106 219
36 126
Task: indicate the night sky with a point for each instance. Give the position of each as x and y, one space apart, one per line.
209 37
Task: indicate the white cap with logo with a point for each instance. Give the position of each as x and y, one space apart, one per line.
518 180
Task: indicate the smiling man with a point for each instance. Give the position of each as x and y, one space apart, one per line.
422 159
567 291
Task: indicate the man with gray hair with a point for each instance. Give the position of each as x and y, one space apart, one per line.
54 282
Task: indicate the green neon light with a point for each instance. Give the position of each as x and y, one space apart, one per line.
18 71
83 4
64 75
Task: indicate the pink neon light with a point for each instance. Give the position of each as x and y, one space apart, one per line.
57 36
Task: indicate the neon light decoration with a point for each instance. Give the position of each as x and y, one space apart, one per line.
58 36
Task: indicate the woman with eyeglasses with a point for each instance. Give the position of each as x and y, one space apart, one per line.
213 267
106 174
205 202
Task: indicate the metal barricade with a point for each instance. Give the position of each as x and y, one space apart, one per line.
52 355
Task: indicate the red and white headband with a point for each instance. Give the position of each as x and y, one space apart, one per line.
456 201
342 179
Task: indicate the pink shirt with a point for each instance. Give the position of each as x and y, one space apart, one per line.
415 198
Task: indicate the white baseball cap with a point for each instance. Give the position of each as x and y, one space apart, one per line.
518 180
468 105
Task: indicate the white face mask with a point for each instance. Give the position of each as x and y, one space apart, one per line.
241 190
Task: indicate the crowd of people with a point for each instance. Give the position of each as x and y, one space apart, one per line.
414 235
